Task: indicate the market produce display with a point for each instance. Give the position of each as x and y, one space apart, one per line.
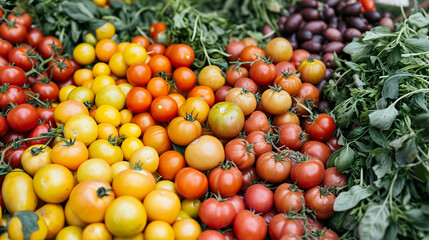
183 120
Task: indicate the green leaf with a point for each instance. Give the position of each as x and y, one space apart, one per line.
407 153
344 159
77 11
353 66
374 223
332 158
357 48
377 33
383 118
384 164
349 199
394 56
398 186
378 137
417 45
418 219
75 32
391 232
418 20
420 101
391 85
29 222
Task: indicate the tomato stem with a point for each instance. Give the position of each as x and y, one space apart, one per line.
103 192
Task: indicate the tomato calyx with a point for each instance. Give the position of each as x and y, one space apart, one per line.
287 74
115 141
324 191
226 165
34 151
4 88
310 59
103 192
69 143
308 105
189 116
248 147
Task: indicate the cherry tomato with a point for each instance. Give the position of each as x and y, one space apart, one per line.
191 183
11 94
13 32
22 118
49 46
12 75
163 109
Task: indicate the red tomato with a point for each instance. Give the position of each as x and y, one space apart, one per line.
250 54
240 152
328 234
49 46
47 91
257 121
157 29
14 33
34 37
182 55
5 48
184 78
11 94
3 62
322 128
259 139
234 73
156 49
234 49
13 156
138 100
160 63
191 183
288 197
290 83
39 130
262 73
308 173
203 92
333 144
12 135
282 225
139 74
249 177
299 55
216 214
20 57
3 126
22 118
283 67
321 201
221 93
290 136
210 235
249 226
22 18
143 120
163 109
247 83
229 234
307 93
237 202
46 115
333 178
170 163
272 167
259 198
12 75
61 69
225 180
268 216
317 149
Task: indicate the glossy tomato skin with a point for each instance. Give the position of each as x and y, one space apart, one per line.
225 180
328 234
259 198
14 156
247 83
257 121
288 198
240 152
19 57
61 69
12 75
281 225
249 177
191 183
259 139
274 168
322 128
47 45
22 18
291 84
322 204
14 34
204 153
276 101
3 126
216 214
290 136
12 94
249 226
312 70
138 100
221 93
46 115
23 118
5 48
317 149
34 37
333 178
163 109
309 173
235 49
210 234
37 132
226 119
237 202
47 91
262 73
308 92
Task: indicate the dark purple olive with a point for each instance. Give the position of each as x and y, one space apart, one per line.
387 21
302 24
281 23
329 73
328 13
318 38
328 59
308 4
310 14
340 7
304 35
316 56
351 33
333 47
322 105
369 27
372 16
352 10
387 14
266 30
312 46
292 23
357 22
319 86
293 41
333 34
332 3
316 27
342 26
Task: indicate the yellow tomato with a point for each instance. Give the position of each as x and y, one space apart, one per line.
100 68
130 130
35 157
70 233
126 217
146 157
101 81
106 130
71 218
117 64
111 95
134 53
186 229
125 88
18 192
105 150
107 30
87 83
204 153
126 116
84 54
197 107
64 92
82 127
162 205
119 167
54 218
82 75
191 207
96 231
159 230
89 37
167 185
136 237
135 183
70 154
122 45
81 94
67 109
129 146
15 226
179 98
53 183
182 215
108 114
95 168
211 76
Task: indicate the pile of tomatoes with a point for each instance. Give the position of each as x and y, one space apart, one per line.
126 141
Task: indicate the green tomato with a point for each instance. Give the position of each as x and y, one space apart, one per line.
226 119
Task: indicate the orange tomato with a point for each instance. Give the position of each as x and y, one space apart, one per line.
157 87
170 163
157 137
203 92
135 183
144 121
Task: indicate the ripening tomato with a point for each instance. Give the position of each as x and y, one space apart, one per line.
35 157
70 153
155 49
158 230
67 109
117 64
309 173
216 214
107 150
290 136
157 86
186 229
278 120
288 197
321 201
240 152
96 231
195 107
250 54
290 83
248 225
299 55
203 92
234 49
276 101
18 193
184 130
13 32
111 95
139 74
279 49
160 64
16 223
226 119
262 73
133 182
245 99
156 30
225 180
157 137
312 70
211 76
259 198
191 183
181 55
262 142
94 168
144 121
234 73
81 127
204 153
54 217
272 167
284 68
